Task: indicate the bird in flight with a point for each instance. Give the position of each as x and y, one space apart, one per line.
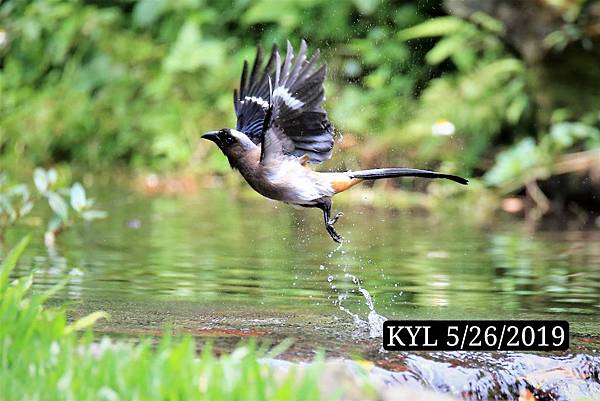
282 129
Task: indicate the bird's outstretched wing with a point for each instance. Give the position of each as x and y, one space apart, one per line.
295 122
253 99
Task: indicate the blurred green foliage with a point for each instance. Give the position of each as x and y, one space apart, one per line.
65 202
486 92
529 161
137 82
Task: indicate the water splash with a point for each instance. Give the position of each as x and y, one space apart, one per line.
358 322
373 324
375 320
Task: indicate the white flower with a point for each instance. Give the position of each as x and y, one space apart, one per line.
443 127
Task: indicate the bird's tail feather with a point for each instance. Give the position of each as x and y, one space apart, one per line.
375 174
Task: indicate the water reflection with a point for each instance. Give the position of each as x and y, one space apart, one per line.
213 265
216 250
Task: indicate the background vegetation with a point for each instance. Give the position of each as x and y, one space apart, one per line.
494 89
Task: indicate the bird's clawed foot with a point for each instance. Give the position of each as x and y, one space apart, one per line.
333 234
329 226
335 218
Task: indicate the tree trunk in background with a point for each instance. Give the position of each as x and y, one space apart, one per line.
567 78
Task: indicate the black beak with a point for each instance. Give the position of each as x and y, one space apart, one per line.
212 136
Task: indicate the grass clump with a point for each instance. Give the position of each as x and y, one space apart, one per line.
43 357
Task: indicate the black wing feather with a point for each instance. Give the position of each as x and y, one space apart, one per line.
252 100
289 115
296 102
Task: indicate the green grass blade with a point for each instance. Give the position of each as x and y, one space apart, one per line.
11 260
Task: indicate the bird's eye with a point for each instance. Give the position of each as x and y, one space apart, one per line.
229 139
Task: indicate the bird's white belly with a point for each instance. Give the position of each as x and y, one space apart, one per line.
298 184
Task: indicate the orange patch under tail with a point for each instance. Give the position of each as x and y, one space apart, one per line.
342 184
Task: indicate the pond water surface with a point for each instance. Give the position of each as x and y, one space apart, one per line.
222 268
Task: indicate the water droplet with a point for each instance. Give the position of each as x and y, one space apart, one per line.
330 278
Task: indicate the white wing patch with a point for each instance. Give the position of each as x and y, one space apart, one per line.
279 92
287 98
258 100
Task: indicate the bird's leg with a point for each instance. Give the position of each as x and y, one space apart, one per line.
329 222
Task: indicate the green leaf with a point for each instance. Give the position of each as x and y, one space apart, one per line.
147 12
517 163
444 49
565 134
52 176
25 208
40 179
465 60
58 205
282 12
54 224
78 199
93 215
440 26
7 207
20 190
86 321
11 260
516 108
191 52
489 23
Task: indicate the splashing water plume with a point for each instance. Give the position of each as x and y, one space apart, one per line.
374 321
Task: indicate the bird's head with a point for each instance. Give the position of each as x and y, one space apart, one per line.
232 143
